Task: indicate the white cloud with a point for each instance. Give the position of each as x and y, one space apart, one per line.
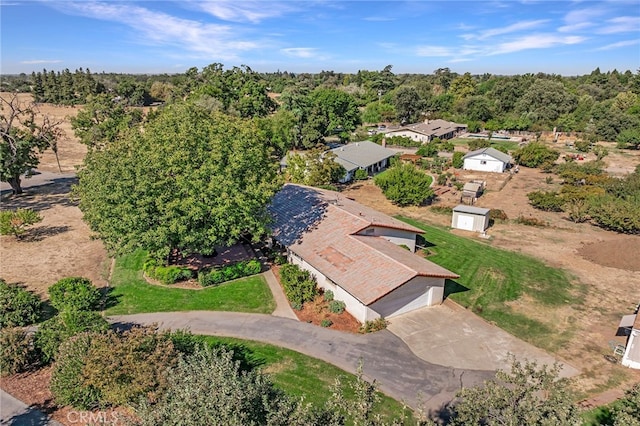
244 11
535 41
379 19
621 24
437 51
157 28
575 27
41 61
300 52
619 44
518 26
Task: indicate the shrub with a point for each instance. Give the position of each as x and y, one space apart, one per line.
442 210
583 145
547 201
534 155
428 150
328 295
83 375
405 185
548 180
74 293
16 351
165 274
326 323
497 214
531 221
230 272
373 326
336 306
18 306
299 285
457 161
360 174
15 222
53 332
442 179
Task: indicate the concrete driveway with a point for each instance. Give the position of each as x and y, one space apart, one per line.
452 336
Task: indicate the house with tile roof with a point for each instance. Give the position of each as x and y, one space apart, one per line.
364 155
363 256
428 130
487 160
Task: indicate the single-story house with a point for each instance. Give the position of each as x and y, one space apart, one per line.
365 155
364 257
429 130
487 160
470 218
631 324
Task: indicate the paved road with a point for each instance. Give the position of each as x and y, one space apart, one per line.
16 412
387 359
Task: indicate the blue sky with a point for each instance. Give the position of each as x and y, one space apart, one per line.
498 37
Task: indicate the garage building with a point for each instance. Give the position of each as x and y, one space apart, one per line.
470 218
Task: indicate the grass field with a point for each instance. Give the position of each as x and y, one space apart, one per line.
491 277
301 375
131 294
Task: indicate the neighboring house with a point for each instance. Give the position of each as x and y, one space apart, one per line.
365 155
428 130
356 252
631 325
470 218
487 160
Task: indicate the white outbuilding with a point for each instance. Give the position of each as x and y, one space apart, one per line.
470 218
487 160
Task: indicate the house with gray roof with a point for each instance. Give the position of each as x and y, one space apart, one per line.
487 160
363 256
365 155
428 130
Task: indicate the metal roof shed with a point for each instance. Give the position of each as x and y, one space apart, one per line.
470 218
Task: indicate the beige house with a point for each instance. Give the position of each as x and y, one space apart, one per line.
428 130
365 257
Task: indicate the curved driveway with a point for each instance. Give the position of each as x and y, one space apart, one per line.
386 358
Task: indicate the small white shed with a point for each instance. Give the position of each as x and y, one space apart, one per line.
470 218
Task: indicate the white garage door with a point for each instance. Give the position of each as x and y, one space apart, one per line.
465 222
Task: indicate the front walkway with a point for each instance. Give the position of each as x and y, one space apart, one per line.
283 309
386 359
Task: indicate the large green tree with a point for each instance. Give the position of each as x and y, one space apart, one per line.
405 185
525 395
190 180
25 135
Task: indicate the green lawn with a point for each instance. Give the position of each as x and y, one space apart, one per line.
301 375
132 294
489 277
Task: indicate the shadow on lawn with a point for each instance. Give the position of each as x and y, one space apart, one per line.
451 287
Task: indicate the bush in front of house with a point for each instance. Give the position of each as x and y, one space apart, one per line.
74 293
328 295
326 323
360 174
16 351
165 274
229 272
299 285
337 306
18 306
53 332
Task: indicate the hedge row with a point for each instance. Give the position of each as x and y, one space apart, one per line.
227 273
165 274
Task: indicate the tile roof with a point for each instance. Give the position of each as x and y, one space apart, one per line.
361 154
492 152
321 227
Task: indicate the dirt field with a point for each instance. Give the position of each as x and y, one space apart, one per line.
605 262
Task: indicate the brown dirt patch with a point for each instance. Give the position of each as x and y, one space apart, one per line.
59 246
619 253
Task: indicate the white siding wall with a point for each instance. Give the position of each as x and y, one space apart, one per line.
396 236
490 164
631 356
352 305
409 134
417 293
480 222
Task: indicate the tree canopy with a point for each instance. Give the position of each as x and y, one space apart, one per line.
190 180
405 185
